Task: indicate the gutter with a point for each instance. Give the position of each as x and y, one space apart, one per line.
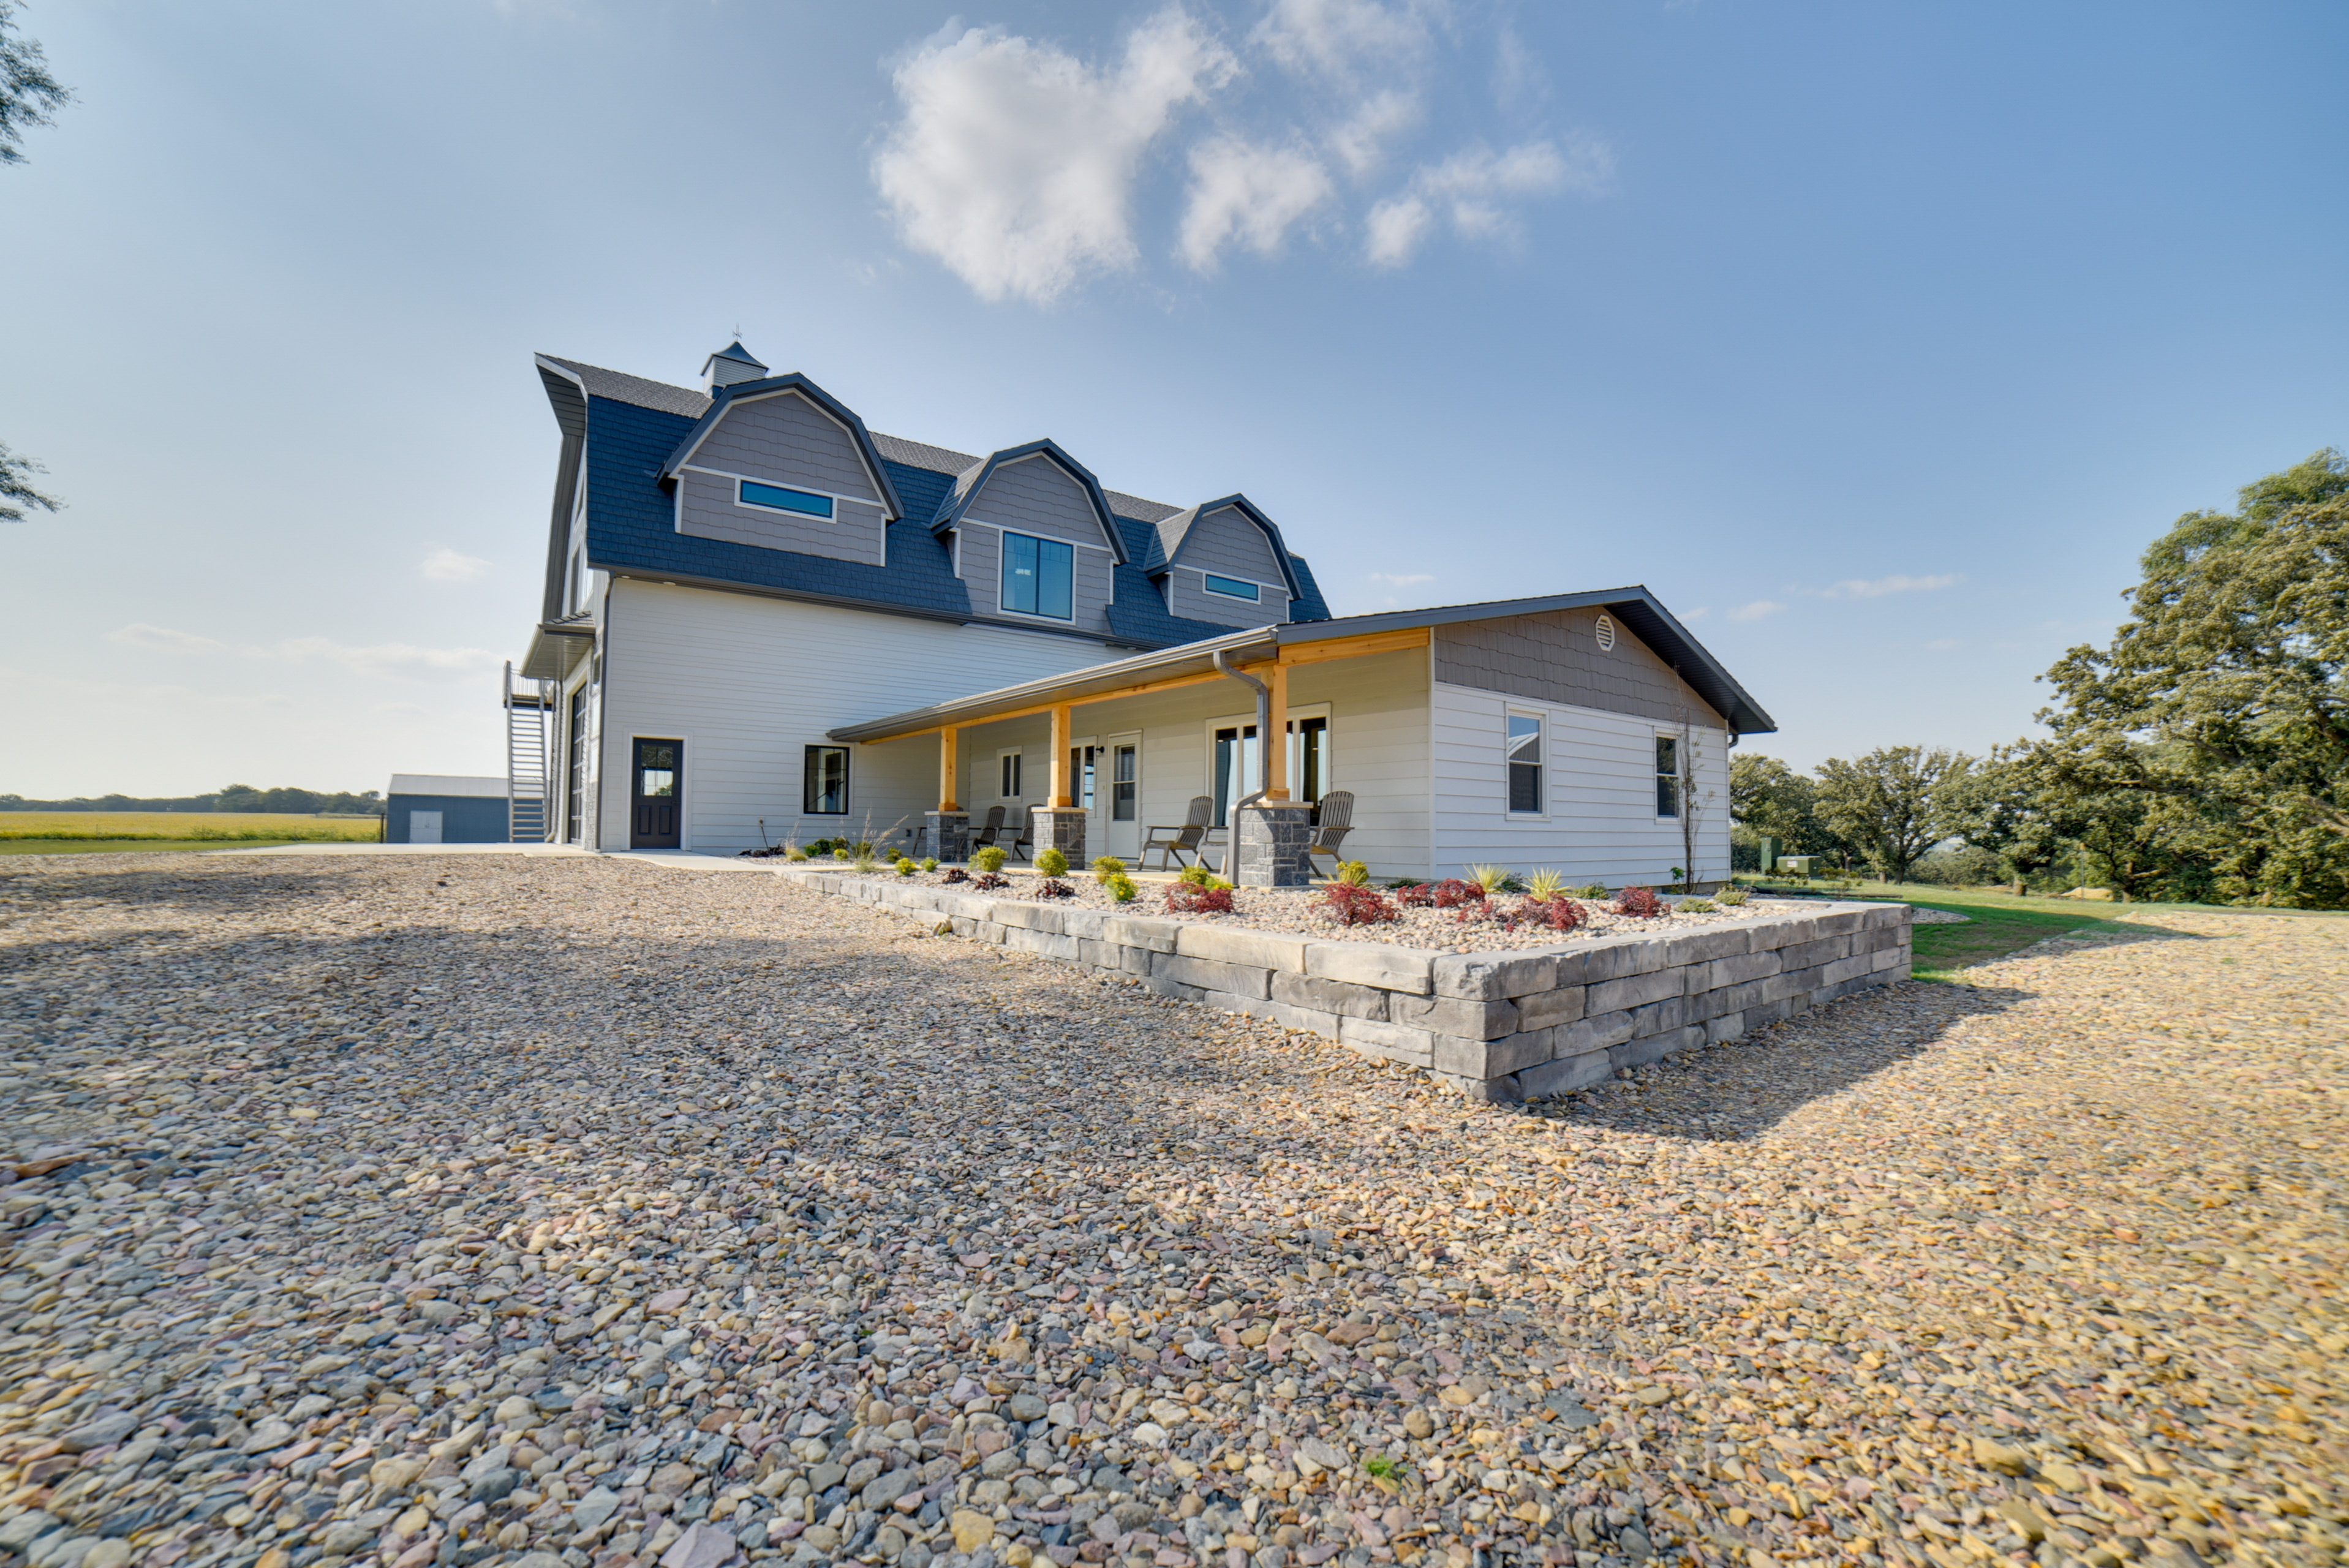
1263 731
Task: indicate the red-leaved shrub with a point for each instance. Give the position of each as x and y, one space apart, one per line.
1451 892
1558 913
1182 898
987 881
1640 903
1053 887
1415 895
954 874
1359 905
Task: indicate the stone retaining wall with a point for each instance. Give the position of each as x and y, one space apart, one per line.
1505 1025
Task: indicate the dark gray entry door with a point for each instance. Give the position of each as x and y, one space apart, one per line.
658 789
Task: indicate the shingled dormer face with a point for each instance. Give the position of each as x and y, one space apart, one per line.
1030 546
780 472
1222 568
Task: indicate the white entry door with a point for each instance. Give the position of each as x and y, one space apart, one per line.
424 827
1121 790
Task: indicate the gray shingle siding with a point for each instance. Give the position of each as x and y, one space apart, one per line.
630 426
1555 657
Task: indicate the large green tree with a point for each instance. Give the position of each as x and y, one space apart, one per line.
27 94
1894 803
2214 721
1770 798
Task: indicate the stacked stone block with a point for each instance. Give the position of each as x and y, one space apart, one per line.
1504 1026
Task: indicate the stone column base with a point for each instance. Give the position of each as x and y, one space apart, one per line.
1272 836
1060 828
950 834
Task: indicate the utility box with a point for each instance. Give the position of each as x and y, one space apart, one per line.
1797 865
1769 856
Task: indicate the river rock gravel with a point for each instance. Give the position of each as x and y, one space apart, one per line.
416 1210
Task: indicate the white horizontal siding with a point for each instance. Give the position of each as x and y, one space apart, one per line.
1601 823
748 682
1378 750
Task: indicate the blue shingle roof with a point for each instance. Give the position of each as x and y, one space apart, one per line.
631 528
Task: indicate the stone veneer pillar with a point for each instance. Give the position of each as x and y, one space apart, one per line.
950 835
1061 828
1272 837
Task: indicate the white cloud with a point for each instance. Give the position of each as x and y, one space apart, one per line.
446 565
1247 195
1400 580
1757 610
1877 587
395 659
1014 163
163 640
1359 141
403 660
1472 188
1699 613
1342 40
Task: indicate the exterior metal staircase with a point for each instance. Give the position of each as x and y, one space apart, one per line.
529 797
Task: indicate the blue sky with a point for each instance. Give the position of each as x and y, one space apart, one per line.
1876 341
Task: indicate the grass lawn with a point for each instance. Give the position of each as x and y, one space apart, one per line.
1997 922
134 846
181 829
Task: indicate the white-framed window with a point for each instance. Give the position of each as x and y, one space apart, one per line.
1668 775
1231 587
1526 797
1006 772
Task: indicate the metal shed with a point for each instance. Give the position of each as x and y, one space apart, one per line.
445 809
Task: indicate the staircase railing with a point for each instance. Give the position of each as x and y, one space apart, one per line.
529 797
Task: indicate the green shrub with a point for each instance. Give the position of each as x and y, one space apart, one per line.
1697 906
1106 867
1543 886
1201 877
1491 879
1120 887
1591 890
991 859
866 865
929 862
1353 873
799 854
1051 863
1731 896
906 868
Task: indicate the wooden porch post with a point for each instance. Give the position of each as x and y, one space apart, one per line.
947 757
1060 795
1274 748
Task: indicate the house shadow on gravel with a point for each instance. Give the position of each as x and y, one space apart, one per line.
1732 1092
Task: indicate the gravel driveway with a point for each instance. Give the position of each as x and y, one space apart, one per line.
485 1209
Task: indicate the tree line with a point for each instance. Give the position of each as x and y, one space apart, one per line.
235 798
2201 756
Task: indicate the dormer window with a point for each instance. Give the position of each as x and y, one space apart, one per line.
1232 587
1039 576
775 498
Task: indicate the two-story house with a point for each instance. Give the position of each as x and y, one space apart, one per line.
764 621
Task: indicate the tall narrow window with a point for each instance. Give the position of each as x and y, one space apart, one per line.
576 767
1309 758
1121 784
1524 765
1081 769
1668 775
1039 576
1010 765
823 787
1235 770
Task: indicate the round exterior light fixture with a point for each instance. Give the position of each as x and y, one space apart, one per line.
1606 634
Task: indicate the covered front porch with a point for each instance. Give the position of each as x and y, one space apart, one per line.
1121 759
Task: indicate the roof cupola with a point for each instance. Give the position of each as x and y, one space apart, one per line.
730 364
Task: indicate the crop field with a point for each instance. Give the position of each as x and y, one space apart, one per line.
130 828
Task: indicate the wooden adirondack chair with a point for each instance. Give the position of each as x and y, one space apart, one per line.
1181 840
1336 820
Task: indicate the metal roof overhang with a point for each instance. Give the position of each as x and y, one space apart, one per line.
555 651
1638 609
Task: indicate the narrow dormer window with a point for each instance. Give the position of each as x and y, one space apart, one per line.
775 498
1232 587
1039 576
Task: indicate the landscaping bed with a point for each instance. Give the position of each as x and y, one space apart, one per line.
1453 919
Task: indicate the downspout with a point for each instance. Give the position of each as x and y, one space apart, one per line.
1263 723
